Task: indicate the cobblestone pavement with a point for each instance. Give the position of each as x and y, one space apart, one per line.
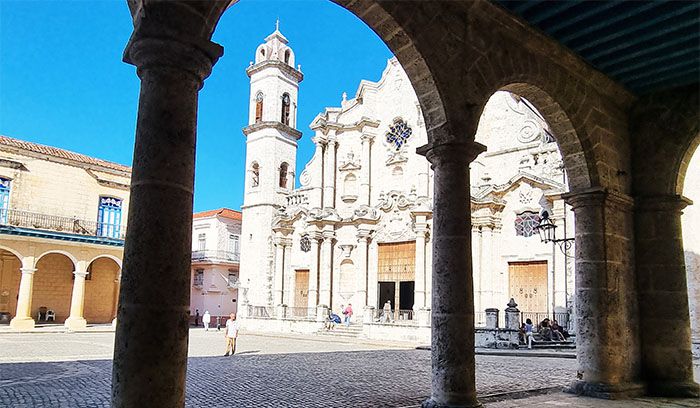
561 400
74 370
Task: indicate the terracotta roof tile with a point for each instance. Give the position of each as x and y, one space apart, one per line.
221 212
60 153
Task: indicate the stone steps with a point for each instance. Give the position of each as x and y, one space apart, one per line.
340 331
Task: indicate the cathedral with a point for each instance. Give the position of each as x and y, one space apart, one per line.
355 226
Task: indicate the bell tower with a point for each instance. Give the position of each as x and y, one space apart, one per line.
271 147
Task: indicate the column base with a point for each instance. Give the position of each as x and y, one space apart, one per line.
22 323
75 323
431 403
673 389
368 314
114 322
423 317
606 391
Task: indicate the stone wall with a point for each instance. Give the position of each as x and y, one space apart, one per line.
53 285
101 292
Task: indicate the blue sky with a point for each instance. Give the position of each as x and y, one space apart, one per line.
62 82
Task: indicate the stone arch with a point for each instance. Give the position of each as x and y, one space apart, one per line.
67 254
690 151
12 251
116 259
53 283
10 276
578 160
102 289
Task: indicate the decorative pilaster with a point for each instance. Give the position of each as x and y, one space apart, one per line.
76 321
361 270
667 365
372 282
329 168
150 352
453 365
313 270
23 319
324 294
421 228
278 282
365 171
606 295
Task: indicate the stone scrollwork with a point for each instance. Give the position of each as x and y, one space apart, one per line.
529 132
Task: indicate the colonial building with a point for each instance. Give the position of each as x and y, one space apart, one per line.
215 257
62 226
358 229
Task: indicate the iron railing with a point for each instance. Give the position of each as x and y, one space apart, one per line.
216 255
70 225
563 318
261 311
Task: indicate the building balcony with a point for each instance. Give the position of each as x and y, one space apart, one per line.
215 256
26 223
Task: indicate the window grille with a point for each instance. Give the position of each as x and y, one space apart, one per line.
198 277
305 243
398 134
526 222
4 199
109 217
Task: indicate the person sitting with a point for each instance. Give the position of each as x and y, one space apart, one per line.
333 319
527 327
545 330
559 333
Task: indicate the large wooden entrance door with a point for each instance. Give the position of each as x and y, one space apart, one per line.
396 273
528 285
301 288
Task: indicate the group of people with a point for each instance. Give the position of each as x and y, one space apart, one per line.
334 318
230 332
547 330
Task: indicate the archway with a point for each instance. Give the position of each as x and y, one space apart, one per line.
690 176
53 287
10 276
101 290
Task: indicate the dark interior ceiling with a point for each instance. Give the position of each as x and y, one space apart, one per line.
647 46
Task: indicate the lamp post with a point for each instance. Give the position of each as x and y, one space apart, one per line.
547 231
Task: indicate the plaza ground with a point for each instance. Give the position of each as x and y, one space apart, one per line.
58 369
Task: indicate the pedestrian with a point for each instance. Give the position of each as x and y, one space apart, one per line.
206 319
196 318
231 334
387 312
348 314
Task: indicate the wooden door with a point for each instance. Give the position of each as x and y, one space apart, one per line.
528 285
301 290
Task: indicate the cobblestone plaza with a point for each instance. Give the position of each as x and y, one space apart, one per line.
74 370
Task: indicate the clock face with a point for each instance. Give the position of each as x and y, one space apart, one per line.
285 98
259 97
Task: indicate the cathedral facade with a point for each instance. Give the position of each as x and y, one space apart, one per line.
357 229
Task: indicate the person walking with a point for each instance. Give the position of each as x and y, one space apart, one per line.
387 312
206 319
196 318
348 314
231 334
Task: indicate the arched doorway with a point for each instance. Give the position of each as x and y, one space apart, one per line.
101 290
53 287
690 221
10 276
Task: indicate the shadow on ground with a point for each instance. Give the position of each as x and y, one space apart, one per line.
380 378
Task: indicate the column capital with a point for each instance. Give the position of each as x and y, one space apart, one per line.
363 235
155 47
28 271
451 152
328 235
598 196
80 274
367 138
319 141
662 202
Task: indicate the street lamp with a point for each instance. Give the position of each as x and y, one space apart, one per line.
546 229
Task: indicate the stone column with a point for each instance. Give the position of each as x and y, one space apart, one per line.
477 269
150 352
288 275
365 173
421 231
487 270
667 364
607 343
372 264
76 320
313 271
23 319
279 272
491 318
361 276
316 200
329 168
452 351
324 293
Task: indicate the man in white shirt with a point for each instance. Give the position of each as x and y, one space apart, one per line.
231 334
